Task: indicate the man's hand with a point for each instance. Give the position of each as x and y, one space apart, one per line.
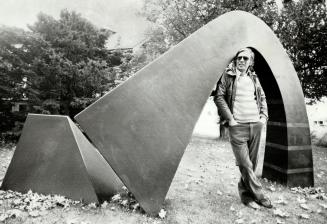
263 120
232 122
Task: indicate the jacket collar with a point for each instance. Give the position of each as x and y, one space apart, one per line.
232 72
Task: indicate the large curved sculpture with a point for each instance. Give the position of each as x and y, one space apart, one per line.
144 125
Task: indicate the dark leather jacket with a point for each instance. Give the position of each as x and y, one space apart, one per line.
225 95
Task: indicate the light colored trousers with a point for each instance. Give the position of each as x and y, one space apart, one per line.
245 139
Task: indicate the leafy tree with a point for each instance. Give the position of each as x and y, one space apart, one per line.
300 25
302 30
178 19
17 51
18 80
77 66
73 36
58 66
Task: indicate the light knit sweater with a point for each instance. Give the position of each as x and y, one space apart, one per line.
245 107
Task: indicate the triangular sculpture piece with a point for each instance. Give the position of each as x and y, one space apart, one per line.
143 126
54 157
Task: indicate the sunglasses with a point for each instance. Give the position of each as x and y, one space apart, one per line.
242 57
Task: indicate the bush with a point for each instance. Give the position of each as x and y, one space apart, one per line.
322 141
313 136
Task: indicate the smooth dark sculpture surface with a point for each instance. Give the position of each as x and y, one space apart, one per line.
143 126
54 157
288 152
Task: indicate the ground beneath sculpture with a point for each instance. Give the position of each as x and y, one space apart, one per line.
204 190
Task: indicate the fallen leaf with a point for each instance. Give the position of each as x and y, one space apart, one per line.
9 195
124 202
294 189
301 200
3 217
17 201
92 205
34 205
16 213
42 213
124 188
116 197
254 206
34 213
281 201
280 213
72 220
219 192
59 199
104 204
232 208
162 213
304 216
135 206
278 221
240 221
304 206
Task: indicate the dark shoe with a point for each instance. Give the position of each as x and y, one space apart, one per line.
265 202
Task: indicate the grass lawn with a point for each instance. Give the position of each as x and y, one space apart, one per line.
204 190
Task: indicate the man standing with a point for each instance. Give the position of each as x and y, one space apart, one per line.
242 105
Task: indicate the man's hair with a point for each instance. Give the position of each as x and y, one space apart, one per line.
251 55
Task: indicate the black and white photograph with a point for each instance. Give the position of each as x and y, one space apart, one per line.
163 111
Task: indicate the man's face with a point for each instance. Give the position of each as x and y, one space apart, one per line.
243 61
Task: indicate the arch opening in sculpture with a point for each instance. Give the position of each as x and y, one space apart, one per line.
288 152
